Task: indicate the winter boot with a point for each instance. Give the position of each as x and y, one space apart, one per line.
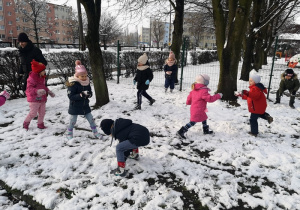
70 134
252 134
138 107
151 102
171 90
26 125
206 130
134 154
95 132
181 132
120 170
292 101
41 126
269 118
166 89
277 101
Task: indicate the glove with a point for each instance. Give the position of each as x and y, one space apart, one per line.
245 92
134 82
41 92
147 82
221 94
238 94
5 94
51 93
85 94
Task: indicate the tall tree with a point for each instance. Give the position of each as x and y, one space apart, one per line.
93 12
230 20
158 31
34 12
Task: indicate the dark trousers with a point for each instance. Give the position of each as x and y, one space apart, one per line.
141 93
279 94
253 121
169 82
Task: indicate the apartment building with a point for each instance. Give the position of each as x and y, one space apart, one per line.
57 30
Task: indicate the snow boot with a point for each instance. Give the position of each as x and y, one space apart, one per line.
95 132
206 130
166 89
277 101
269 118
181 132
70 134
26 125
41 126
134 154
252 134
151 102
292 101
120 170
138 107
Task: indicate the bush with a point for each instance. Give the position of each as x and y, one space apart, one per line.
202 57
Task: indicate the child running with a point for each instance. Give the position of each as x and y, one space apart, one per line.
79 92
198 99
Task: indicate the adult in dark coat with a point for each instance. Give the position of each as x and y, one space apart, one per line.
27 52
130 136
143 77
289 81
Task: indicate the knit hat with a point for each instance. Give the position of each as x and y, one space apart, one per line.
172 55
289 72
202 79
37 67
254 76
105 125
79 69
143 59
23 37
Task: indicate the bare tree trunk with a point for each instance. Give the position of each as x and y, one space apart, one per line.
93 11
178 29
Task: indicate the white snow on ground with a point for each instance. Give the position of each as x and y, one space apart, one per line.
224 170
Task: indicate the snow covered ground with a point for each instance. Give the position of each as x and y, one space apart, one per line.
226 170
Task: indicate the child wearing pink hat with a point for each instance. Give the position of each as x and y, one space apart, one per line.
170 70
79 92
198 99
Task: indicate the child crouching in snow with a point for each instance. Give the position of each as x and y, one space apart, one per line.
198 99
36 93
130 135
257 102
79 92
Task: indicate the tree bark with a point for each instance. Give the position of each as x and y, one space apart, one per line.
178 29
93 11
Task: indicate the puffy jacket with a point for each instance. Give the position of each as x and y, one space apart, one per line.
141 76
256 99
292 84
35 82
173 69
124 129
198 99
78 105
27 54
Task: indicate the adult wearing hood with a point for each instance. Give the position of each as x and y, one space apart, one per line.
27 52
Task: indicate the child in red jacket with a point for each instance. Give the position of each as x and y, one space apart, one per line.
257 102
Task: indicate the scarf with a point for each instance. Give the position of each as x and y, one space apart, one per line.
141 68
76 79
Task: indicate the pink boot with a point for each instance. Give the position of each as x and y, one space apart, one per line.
41 126
26 125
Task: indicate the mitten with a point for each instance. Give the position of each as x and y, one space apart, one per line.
245 92
84 94
238 94
41 92
51 93
134 82
147 82
5 94
221 94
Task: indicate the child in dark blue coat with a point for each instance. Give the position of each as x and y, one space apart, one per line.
79 92
130 135
170 70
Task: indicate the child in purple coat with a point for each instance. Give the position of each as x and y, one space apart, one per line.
198 99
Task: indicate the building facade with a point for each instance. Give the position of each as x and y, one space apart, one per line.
58 30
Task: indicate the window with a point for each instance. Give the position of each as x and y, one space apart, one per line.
2 36
1 18
9 22
57 39
49 18
9 13
1 8
18 28
24 20
2 27
56 24
57 31
10 31
17 19
8 3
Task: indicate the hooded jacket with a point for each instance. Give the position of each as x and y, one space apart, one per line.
289 84
256 99
78 105
124 129
143 73
198 99
34 83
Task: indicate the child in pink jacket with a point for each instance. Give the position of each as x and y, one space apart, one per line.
36 93
198 99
